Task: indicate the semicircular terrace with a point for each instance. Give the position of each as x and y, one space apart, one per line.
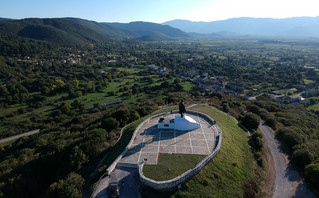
148 142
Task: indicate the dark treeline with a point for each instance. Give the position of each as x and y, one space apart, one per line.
68 147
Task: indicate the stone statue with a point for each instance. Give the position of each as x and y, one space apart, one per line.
182 109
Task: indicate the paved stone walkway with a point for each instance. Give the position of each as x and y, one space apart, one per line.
150 141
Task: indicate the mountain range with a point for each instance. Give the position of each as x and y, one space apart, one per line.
297 27
147 28
78 31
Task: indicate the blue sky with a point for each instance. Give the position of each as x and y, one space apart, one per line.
157 10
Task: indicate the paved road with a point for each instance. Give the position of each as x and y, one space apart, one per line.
18 136
287 181
130 188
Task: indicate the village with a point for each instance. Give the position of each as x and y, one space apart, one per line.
208 85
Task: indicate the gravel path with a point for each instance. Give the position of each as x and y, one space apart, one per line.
287 181
18 136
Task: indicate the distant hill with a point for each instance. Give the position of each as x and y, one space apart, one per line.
70 31
5 19
153 38
59 31
151 29
105 29
305 27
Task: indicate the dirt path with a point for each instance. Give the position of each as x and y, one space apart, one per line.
271 176
18 136
286 181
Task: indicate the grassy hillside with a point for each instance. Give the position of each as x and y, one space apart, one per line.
233 169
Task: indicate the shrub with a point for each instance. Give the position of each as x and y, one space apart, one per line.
259 159
70 187
110 123
94 141
254 109
271 122
256 141
251 121
290 137
250 189
312 174
302 157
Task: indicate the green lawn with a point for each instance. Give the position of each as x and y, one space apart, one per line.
316 98
42 112
314 107
179 164
188 86
307 82
10 109
228 172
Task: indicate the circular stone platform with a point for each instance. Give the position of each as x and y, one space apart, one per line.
150 141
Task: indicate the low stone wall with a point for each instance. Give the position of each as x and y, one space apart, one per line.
174 183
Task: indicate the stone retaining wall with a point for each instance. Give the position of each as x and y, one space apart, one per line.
172 184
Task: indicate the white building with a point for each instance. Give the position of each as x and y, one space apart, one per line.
182 124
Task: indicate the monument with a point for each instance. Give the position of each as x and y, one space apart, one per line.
182 108
181 123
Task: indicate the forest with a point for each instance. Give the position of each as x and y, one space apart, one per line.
61 91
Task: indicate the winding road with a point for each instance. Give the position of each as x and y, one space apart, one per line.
287 182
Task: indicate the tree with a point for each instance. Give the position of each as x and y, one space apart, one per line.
253 108
110 123
302 157
312 174
257 141
59 82
165 85
70 187
251 121
271 122
77 158
3 91
90 87
82 108
65 108
45 90
134 115
122 116
78 94
94 141
290 137
75 84
178 87
75 104
196 93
